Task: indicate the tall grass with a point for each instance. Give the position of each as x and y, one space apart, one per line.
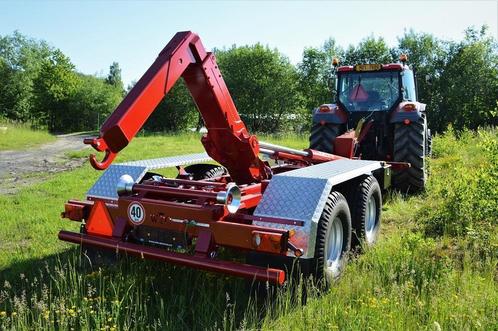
413 279
20 136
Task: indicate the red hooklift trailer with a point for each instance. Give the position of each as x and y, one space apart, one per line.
291 204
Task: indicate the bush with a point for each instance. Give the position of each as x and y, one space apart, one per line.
464 200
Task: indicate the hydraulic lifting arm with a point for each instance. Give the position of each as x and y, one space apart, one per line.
227 140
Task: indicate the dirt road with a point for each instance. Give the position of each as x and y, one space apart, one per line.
24 167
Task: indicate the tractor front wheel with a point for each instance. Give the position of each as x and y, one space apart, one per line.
410 146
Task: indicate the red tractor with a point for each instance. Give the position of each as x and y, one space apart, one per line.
379 102
296 204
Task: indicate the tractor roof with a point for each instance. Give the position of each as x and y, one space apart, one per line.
372 67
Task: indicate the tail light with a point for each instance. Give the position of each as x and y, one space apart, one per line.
324 109
409 107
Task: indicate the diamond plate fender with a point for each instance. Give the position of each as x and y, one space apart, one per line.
301 194
105 187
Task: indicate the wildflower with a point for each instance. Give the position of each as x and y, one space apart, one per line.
3 313
14 314
437 327
109 319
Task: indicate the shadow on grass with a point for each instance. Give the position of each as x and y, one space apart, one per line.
153 293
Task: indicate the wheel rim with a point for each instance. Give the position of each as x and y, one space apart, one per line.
334 248
371 220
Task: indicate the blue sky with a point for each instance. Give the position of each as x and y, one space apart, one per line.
94 34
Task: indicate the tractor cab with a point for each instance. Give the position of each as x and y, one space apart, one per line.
374 87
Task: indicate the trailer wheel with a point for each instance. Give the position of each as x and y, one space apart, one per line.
322 137
205 171
366 207
409 146
333 240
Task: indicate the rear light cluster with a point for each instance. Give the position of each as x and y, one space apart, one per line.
327 108
409 107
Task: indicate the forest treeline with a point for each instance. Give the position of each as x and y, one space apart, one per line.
458 80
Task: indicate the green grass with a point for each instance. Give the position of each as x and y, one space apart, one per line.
412 279
20 136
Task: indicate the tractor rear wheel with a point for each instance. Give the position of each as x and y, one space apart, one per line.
366 207
409 146
322 137
333 239
428 147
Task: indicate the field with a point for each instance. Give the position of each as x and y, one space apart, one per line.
19 136
434 268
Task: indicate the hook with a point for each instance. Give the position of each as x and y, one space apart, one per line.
100 145
106 161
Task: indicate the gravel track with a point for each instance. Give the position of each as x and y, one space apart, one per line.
25 167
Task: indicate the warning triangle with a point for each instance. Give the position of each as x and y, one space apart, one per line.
99 222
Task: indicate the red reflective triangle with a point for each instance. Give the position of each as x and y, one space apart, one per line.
99 222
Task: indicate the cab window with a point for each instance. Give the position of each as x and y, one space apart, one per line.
408 85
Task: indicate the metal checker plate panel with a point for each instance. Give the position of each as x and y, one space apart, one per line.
105 187
301 194
173 161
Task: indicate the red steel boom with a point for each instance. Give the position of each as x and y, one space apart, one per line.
227 141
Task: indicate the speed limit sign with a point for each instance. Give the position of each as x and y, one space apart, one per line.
136 213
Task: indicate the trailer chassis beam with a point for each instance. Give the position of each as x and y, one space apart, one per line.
274 276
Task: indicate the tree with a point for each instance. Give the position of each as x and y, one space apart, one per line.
114 77
53 87
427 56
369 50
315 73
264 86
20 63
469 82
91 103
176 112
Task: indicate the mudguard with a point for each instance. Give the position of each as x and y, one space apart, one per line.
301 195
329 113
400 114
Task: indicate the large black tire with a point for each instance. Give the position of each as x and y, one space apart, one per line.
428 147
410 146
322 137
205 171
335 207
335 219
365 201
